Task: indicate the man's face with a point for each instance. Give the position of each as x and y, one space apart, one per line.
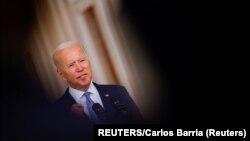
74 67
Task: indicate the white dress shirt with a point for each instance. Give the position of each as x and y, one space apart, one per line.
80 99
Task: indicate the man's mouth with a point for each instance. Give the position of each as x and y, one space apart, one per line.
83 76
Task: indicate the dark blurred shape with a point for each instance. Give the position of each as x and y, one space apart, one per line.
121 108
22 100
218 97
165 28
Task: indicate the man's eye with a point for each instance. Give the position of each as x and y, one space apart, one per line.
71 65
82 60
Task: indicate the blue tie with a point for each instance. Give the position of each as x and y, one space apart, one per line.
89 103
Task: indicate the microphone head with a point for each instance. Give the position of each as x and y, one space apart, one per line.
99 111
97 107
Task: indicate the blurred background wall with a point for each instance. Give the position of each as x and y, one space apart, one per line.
142 45
103 29
145 45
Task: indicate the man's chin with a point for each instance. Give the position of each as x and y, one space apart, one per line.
85 83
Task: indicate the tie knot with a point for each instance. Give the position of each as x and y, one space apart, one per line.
89 100
87 94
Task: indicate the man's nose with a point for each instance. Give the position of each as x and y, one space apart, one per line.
78 66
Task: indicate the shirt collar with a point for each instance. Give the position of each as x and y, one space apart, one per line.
76 94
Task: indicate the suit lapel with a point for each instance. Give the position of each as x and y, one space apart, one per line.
105 97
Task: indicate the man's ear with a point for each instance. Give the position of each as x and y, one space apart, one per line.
60 73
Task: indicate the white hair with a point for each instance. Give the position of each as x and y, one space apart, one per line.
63 46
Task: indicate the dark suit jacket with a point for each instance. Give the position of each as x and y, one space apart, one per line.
118 106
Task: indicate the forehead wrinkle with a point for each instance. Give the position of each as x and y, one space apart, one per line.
74 55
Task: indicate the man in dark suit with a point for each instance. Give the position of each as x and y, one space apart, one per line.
111 104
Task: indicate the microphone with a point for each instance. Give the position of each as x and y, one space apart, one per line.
100 112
